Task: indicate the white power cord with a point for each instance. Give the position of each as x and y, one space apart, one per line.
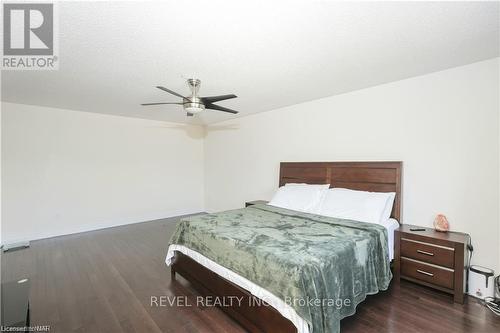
494 307
493 303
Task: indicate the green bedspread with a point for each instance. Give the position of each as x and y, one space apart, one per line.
321 266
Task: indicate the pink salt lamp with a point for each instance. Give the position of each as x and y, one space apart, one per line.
441 223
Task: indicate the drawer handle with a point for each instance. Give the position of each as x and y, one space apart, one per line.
424 272
426 253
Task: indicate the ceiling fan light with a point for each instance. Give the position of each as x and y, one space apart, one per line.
194 109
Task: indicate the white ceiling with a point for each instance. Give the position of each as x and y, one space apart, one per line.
270 53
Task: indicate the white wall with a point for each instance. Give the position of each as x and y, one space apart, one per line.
444 126
66 171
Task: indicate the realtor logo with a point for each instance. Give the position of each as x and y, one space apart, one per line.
29 32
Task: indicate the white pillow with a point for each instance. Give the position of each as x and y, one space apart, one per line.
300 197
356 205
388 206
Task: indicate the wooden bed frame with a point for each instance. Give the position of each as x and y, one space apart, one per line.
366 176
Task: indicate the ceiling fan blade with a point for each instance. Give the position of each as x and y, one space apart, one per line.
213 99
219 108
146 104
170 91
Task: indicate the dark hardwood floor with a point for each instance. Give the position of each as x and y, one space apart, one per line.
102 281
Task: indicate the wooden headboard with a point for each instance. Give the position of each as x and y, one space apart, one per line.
364 176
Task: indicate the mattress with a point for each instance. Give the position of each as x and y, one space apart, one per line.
390 225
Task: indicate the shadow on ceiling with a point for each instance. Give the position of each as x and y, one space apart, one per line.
199 132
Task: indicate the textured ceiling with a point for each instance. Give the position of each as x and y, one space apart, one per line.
271 53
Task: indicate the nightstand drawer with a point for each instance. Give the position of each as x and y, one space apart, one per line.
434 254
429 273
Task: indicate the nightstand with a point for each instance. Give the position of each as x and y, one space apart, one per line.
251 203
431 258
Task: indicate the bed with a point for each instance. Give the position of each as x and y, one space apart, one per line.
290 271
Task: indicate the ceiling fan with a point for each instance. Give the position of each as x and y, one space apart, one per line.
194 104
